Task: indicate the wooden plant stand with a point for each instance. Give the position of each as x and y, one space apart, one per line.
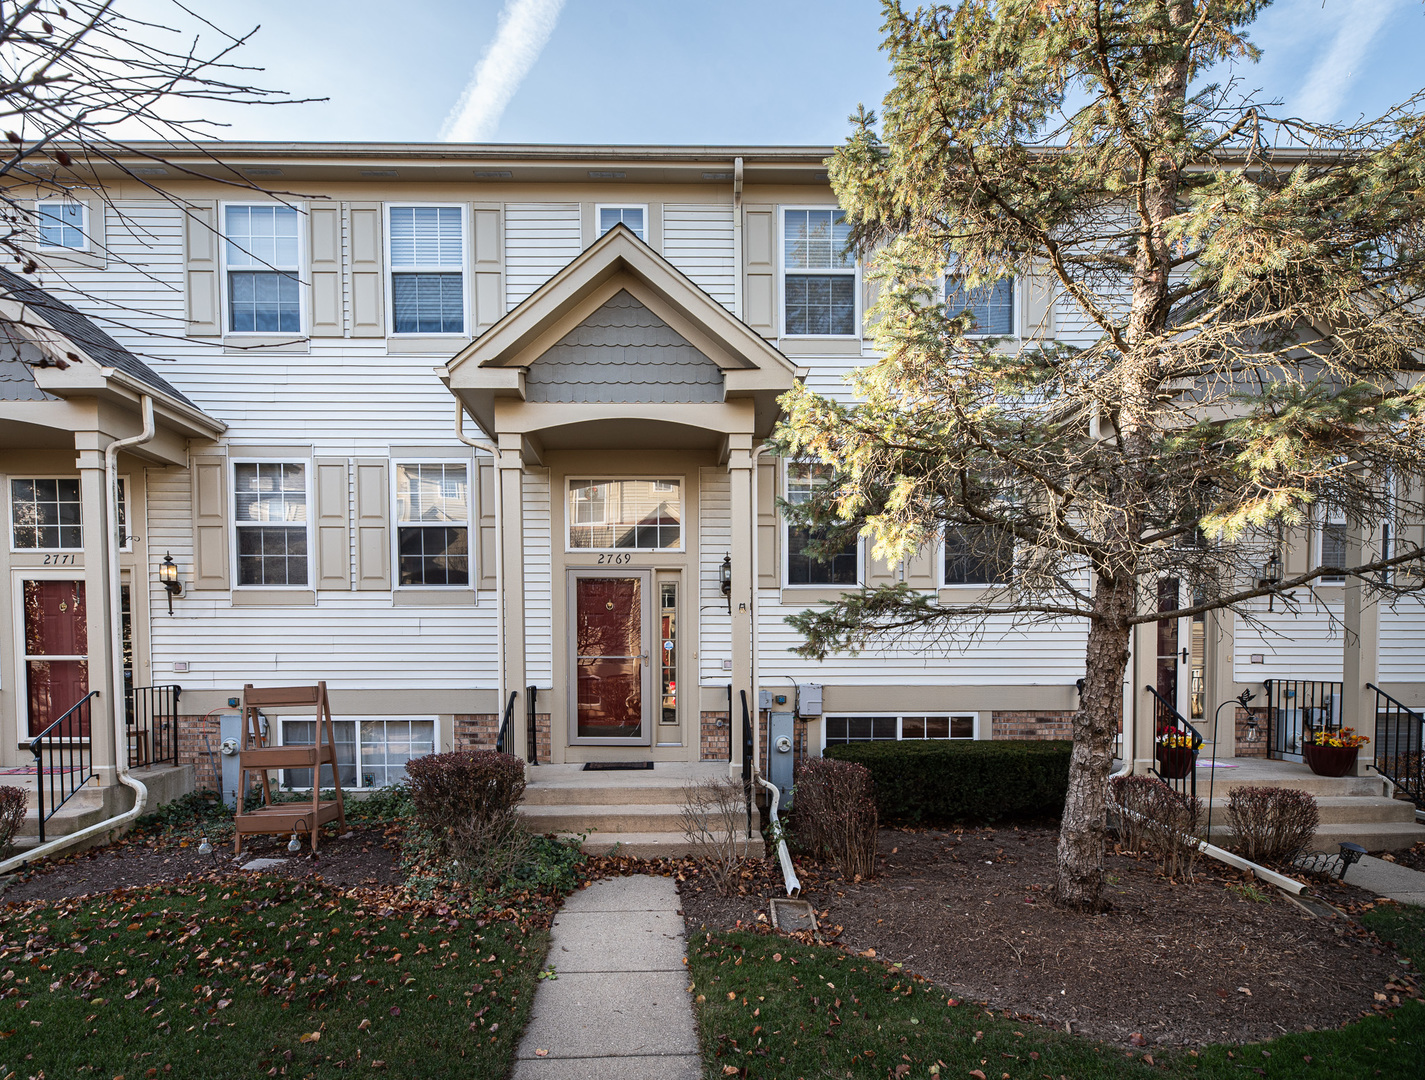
256 756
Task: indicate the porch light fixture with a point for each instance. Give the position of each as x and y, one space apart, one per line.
168 576
1271 576
725 580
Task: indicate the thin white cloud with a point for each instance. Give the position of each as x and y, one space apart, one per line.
1325 86
524 28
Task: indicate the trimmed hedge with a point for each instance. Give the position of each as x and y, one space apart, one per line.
934 781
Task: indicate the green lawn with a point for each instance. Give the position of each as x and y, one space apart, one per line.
768 1007
246 978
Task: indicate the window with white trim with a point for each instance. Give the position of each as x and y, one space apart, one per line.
262 256
369 753
62 223
978 555
631 216
638 515
849 729
271 521
1331 540
818 274
46 514
842 568
427 254
990 305
433 523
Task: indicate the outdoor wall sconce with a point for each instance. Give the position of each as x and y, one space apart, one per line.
725 580
168 576
1271 576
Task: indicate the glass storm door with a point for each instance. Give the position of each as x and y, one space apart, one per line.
56 650
1181 649
611 676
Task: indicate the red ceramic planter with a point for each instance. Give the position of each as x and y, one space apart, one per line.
1330 760
1175 762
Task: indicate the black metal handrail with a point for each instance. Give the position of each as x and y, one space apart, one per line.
1168 723
729 722
746 760
1296 709
531 743
505 723
153 724
1400 745
64 758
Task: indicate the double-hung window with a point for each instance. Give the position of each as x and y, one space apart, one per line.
270 511
841 568
1333 539
427 269
262 253
990 305
978 555
433 523
62 224
632 216
819 274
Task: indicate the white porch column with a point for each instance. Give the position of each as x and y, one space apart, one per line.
739 467
510 463
103 739
1360 648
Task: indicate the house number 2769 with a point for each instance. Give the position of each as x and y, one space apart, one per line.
616 558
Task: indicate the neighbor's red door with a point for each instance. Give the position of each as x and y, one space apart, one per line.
56 651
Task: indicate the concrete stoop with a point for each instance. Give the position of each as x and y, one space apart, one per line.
95 803
624 813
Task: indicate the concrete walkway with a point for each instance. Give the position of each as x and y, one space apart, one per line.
619 1006
1400 883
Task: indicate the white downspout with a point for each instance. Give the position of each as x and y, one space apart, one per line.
116 648
480 444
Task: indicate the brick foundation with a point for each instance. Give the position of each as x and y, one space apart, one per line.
1031 725
476 731
1257 749
198 745
714 737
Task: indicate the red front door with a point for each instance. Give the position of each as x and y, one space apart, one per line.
56 652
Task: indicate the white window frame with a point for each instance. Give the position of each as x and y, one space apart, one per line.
465 275
280 722
979 586
307 465
784 270
786 541
600 207
979 719
85 244
224 289
1016 316
10 509
682 483
396 523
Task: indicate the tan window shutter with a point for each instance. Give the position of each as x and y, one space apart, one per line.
333 532
487 538
373 526
769 527
1038 293
759 268
1297 555
488 289
201 267
368 271
324 243
870 293
209 480
878 572
920 569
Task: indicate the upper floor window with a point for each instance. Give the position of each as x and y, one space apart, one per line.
1333 538
428 269
270 510
632 216
433 523
262 255
819 275
978 555
990 305
643 515
63 225
841 568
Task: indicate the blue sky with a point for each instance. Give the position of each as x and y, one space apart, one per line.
717 71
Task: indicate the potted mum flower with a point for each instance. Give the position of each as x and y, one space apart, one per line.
1176 755
1333 753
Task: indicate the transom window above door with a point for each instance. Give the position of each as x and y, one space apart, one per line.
632 515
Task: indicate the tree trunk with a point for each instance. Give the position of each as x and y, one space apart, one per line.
1078 879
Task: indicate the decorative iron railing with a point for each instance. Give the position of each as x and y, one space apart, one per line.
746 760
503 737
153 725
64 759
1399 740
1175 746
531 740
1295 708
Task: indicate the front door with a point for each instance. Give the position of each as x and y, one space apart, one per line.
56 636
609 648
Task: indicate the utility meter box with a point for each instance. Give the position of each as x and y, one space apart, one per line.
781 739
776 701
229 743
809 699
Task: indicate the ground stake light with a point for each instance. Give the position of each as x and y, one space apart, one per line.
294 845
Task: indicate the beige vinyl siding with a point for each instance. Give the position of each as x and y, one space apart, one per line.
538 584
1306 645
714 541
698 240
1402 633
540 240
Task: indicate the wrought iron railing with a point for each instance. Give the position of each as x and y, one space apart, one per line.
746 760
64 759
1399 742
1295 709
503 737
1175 746
531 740
153 725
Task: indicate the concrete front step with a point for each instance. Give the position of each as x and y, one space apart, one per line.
1373 836
1228 779
652 845
1341 809
606 818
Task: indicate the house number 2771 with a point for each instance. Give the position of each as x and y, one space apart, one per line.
616 558
59 560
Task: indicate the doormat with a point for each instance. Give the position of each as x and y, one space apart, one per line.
616 766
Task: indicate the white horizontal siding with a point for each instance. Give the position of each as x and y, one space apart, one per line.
1301 645
714 541
1402 640
540 240
697 239
538 583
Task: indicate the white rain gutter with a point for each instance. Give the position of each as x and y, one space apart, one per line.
1281 881
480 444
116 646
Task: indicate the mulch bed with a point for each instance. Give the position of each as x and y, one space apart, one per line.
1413 857
1170 963
365 855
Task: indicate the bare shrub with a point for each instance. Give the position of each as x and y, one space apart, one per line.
474 792
1270 825
12 815
487 850
1156 818
835 816
1129 797
714 824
